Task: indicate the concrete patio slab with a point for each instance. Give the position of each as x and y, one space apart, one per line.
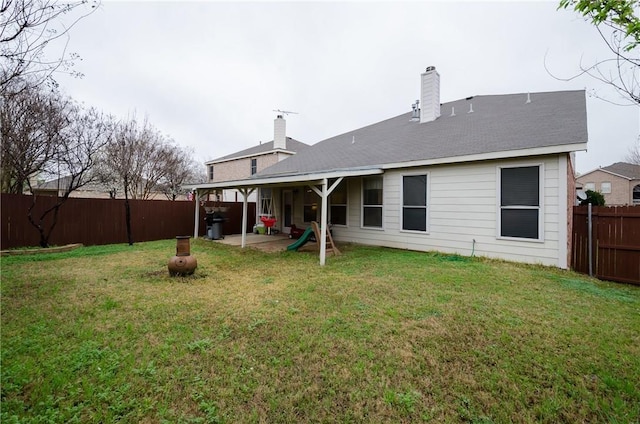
266 243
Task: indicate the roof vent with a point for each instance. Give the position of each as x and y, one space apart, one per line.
430 68
470 108
415 114
528 98
453 111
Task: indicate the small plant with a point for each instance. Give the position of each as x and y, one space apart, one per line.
201 345
405 401
594 197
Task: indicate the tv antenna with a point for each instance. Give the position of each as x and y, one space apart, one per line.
284 112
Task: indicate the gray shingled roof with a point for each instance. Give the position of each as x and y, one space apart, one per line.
292 146
498 123
628 170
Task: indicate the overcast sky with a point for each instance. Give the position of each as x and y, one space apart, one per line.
210 74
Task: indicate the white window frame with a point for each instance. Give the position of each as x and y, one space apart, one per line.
253 169
589 186
603 185
210 172
427 206
381 206
266 202
540 207
346 205
317 202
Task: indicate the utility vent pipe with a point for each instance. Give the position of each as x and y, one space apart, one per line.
415 114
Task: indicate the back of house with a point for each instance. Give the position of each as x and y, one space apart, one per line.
487 175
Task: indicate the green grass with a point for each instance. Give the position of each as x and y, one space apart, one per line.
103 334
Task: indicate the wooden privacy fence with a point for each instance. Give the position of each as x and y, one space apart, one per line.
615 242
102 221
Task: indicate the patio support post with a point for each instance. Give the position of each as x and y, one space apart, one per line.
323 224
197 215
245 196
324 195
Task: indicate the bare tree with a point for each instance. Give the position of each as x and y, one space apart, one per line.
155 157
140 162
32 122
118 167
181 169
27 27
46 134
74 159
619 29
634 153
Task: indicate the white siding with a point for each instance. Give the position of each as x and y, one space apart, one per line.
463 208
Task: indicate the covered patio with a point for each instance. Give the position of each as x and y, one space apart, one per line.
322 184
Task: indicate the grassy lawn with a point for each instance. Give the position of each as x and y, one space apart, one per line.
103 334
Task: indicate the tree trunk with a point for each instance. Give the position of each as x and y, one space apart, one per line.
44 240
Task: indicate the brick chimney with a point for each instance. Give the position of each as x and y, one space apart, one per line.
430 95
279 133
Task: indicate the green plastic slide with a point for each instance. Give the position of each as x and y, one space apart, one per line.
304 238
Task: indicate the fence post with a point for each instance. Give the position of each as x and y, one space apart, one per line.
590 247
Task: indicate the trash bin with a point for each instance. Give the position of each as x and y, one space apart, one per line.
216 228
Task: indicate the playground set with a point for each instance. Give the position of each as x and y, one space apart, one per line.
310 234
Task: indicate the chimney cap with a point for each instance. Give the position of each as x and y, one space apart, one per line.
430 68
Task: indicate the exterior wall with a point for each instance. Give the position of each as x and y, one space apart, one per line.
463 213
239 169
571 200
236 196
231 170
621 188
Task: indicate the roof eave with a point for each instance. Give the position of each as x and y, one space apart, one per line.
317 176
606 171
266 152
311 177
507 154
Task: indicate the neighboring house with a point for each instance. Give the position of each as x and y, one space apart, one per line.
58 187
248 162
92 190
487 175
619 183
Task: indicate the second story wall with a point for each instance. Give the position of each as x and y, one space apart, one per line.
238 169
616 190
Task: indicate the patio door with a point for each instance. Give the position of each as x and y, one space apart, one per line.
287 209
